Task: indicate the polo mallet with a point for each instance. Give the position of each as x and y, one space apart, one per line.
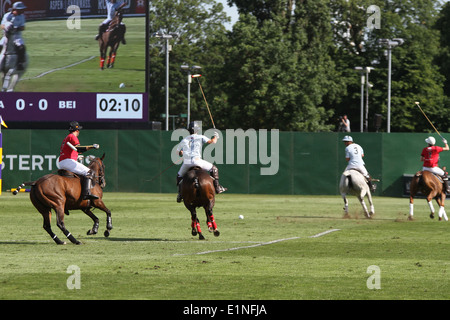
209 111
417 103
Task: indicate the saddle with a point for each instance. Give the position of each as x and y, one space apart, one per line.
419 175
68 174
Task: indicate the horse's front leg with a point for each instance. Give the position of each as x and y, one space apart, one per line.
430 205
411 207
94 229
102 56
101 205
441 211
363 204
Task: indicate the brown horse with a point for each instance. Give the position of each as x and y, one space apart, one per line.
432 187
62 192
111 38
198 190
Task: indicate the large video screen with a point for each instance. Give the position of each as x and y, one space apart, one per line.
62 78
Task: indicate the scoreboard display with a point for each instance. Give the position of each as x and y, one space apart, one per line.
63 81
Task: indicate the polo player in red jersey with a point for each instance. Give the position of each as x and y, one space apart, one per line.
68 157
430 158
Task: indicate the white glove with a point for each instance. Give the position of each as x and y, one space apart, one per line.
216 134
96 146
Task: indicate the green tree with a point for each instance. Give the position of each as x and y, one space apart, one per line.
197 22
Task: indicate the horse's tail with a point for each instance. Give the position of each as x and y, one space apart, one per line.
28 183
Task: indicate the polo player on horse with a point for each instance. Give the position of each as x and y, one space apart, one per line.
111 6
13 23
191 150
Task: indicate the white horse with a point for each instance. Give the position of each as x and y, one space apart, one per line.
9 75
353 182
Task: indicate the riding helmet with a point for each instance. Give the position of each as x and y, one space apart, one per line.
18 6
430 140
347 139
74 126
193 127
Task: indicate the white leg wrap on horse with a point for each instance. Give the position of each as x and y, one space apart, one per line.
430 204
411 209
442 213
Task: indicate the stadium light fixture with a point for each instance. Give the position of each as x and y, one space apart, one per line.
167 37
189 70
390 44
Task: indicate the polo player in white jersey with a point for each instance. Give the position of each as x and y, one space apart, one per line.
354 154
13 23
191 150
111 7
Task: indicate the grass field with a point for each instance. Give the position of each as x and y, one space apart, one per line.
152 255
52 49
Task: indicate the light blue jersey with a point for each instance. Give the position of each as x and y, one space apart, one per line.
192 147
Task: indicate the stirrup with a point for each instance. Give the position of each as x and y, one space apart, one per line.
179 198
220 189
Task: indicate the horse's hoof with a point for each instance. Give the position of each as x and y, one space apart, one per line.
410 218
432 216
216 233
90 232
194 232
106 233
78 243
201 237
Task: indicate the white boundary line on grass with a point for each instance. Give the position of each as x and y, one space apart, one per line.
258 244
58 69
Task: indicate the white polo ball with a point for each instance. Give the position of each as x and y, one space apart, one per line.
122 85
241 216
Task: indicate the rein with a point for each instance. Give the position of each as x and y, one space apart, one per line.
100 177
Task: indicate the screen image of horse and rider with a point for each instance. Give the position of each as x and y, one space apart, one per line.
64 55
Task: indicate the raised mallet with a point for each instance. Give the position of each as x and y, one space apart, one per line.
417 103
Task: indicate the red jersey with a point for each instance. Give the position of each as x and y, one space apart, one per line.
67 152
431 156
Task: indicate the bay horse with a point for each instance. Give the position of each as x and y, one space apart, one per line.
62 192
432 187
111 38
197 190
9 72
353 182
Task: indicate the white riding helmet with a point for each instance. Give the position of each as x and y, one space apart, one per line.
18 6
430 140
347 139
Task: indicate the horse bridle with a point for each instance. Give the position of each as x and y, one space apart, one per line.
100 178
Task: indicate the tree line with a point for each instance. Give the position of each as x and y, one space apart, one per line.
290 64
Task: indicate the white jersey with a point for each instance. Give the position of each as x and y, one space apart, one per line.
355 153
111 9
192 147
10 21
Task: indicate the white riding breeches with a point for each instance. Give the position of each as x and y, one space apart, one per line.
74 166
205 165
435 170
361 169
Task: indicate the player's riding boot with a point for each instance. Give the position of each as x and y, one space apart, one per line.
20 57
215 174
372 187
86 190
179 197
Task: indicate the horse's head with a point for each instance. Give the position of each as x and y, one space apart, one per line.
98 168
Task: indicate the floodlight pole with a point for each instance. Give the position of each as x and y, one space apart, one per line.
167 37
390 44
